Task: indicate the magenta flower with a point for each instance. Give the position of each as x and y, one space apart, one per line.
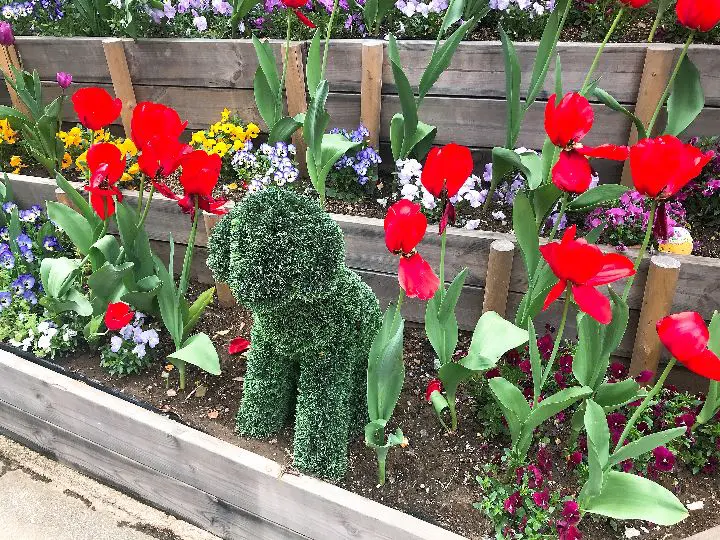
644 377
627 465
618 371
63 79
512 502
525 366
542 498
565 362
544 460
7 37
536 478
687 420
575 459
664 459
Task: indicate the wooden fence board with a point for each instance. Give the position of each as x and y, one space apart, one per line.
202 509
229 473
82 57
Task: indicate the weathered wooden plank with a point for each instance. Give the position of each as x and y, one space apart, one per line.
189 503
302 504
83 57
707 60
206 63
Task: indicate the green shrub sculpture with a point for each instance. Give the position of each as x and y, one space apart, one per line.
314 321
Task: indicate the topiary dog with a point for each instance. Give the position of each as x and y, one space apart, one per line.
314 321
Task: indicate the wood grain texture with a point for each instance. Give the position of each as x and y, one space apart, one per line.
8 60
296 98
121 80
497 280
82 56
302 504
371 89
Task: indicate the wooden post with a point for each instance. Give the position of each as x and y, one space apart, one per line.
62 198
497 282
659 63
224 295
8 59
120 75
371 89
657 302
296 98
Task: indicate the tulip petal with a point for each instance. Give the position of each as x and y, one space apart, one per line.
572 172
448 167
417 277
303 19
684 334
605 151
615 266
706 364
570 121
554 293
405 226
592 302
238 345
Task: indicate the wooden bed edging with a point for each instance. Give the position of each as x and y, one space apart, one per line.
220 487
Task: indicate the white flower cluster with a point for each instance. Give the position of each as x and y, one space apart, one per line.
534 7
266 165
46 339
412 7
137 339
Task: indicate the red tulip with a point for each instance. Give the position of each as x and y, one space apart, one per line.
107 164
417 277
701 15
96 108
405 226
238 345
118 315
686 336
663 166
294 5
151 120
200 172
447 168
162 155
584 266
566 125
433 386
636 3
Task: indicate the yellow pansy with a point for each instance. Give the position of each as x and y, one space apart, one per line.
125 177
134 169
232 186
225 114
16 161
238 145
211 134
71 138
7 133
81 161
209 144
239 133
127 147
66 160
221 148
101 135
252 130
198 137
227 128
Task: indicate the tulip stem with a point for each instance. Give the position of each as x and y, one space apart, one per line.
141 193
398 309
643 247
287 56
645 402
443 242
327 40
556 345
182 286
563 208
670 83
596 60
147 207
656 24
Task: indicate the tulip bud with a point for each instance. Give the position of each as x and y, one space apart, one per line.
7 37
64 79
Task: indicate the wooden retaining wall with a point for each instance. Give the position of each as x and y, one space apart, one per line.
697 285
219 487
199 77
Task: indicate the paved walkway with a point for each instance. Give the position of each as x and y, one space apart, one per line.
41 499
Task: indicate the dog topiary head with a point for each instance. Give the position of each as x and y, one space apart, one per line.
276 247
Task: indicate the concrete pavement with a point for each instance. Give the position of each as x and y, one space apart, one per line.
41 499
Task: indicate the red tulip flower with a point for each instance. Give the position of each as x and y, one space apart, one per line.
433 386
663 166
200 172
295 5
162 155
118 315
686 336
701 15
583 267
446 170
405 226
567 125
96 108
636 3
107 164
152 120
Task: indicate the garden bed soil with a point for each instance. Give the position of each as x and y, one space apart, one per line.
432 479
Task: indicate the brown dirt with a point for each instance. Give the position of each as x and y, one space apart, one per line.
432 479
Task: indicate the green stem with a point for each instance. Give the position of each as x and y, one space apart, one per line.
563 208
670 83
596 60
443 243
184 276
147 207
381 459
181 370
287 55
645 402
141 193
327 40
656 24
556 346
401 296
59 157
643 247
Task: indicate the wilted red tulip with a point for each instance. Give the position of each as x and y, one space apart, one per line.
295 5
107 164
583 267
152 120
238 345
566 125
686 336
162 155
447 168
96 108
433 386
118 315
664 165
404 228
701 15
200 172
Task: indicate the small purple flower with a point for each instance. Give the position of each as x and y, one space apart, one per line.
115 343
575 459
7 37
644 377
512 502
200 23
64 79
27 254
5 300
542 498
686 420
7 260
24 241
627 465
536 478
664 459
50 243
9 206
565 362
30 297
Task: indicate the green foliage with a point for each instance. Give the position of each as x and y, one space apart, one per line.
687 99
315 321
